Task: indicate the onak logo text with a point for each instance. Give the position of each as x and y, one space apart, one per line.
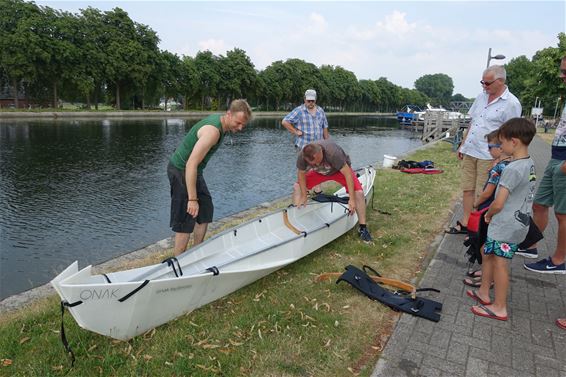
99 294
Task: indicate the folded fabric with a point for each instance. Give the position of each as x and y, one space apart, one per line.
422 171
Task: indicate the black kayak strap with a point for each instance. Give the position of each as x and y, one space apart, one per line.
171 263
134 291
63 336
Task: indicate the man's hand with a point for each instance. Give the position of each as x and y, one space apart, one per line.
563 168
302 200
192 208
351 206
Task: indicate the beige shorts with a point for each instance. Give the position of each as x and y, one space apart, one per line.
474 173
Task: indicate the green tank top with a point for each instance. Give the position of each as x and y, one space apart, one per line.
180 156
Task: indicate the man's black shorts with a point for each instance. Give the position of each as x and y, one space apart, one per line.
181 221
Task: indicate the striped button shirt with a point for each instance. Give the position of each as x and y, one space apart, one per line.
311 125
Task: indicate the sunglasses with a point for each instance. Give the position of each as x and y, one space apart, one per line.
489 146
488 83
310 100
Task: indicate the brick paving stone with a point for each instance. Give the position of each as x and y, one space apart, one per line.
414 356
476 367
427 371
523 360
482 331
496 370
461 344
440 338
446 366
547 372
457 352
428 349
520 343
549 362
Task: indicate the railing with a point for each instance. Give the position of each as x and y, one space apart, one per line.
438 125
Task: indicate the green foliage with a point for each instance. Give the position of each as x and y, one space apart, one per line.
539 77
95 56
438 87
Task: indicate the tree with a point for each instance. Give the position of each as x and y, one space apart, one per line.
538 79
438 87
238 75
170 69
57 32
20 45
208 68
188 79
276 79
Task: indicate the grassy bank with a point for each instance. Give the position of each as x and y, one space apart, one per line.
546 136
283 325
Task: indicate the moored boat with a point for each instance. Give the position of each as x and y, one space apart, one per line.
127 303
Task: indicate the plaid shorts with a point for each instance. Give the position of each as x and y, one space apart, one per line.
499 248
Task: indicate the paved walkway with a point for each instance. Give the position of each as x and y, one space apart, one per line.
461 344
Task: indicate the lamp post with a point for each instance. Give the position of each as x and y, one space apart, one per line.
489 57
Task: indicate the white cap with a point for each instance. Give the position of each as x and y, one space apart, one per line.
310 94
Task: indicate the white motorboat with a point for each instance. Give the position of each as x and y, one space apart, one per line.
127 303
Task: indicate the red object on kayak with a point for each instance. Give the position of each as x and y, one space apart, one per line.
422 171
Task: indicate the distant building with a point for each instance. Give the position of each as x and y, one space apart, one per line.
7 99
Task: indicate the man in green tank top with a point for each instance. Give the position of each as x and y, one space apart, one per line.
191 203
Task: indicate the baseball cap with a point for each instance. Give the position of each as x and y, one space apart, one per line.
310 94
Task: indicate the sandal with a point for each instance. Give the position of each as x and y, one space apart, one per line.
461 230
487 313
474 282
561 322
474 273
474 295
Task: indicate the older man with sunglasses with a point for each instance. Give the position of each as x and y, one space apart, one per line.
493 107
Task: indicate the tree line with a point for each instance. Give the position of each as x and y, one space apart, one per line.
97 57
105 57
536 80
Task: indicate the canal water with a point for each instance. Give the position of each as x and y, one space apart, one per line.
91 190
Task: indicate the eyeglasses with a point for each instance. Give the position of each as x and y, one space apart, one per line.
488 83
489 146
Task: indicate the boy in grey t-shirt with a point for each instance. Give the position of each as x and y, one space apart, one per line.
508 218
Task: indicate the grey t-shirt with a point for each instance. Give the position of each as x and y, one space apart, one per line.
512 223
333 159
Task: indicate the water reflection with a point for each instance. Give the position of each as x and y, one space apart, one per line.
91 190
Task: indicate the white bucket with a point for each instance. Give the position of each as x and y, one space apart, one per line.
388 161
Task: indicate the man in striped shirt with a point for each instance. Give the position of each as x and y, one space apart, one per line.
307 122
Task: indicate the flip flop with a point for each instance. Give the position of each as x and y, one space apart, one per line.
474 282
561 322
473 274
488 313
475 296
454 230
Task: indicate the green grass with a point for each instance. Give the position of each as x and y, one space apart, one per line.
285 324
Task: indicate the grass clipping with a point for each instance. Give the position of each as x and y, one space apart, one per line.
285 324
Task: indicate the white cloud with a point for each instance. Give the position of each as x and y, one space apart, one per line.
216 46
317 23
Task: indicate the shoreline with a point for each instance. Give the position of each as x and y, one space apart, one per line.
20 300
150 114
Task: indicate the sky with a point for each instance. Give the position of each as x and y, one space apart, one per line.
398 40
